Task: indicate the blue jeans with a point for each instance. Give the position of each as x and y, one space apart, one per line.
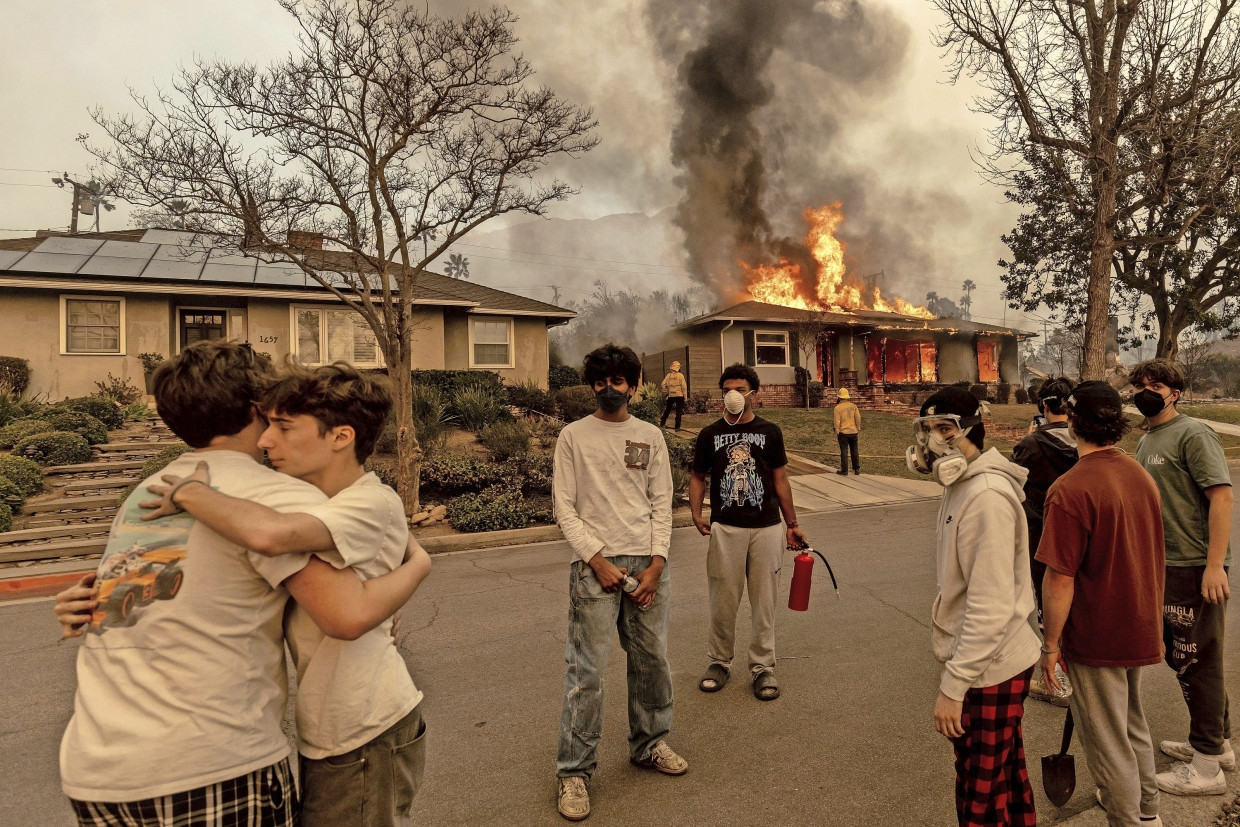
592 616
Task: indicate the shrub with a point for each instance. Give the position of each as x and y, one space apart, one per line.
54 448
1003 393
34 407
104 409
815 393
647 410
478 406
495 509
505 440
532 471
680 484
544 429
18 430
81 423
15 373
1022 396
563 376
575 402
448 382
121 391
1034 387
11 494
6 518
386 443
979 392
385 470
163 459
453 474
679 450
10 405
529 396
138 411
431 419
700 402
151 361
24 473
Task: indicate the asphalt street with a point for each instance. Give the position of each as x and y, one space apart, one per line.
850 742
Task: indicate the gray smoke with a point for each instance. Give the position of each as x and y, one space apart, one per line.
766 93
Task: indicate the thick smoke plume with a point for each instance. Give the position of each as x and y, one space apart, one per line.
767 92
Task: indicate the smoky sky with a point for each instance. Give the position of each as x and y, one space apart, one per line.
766 94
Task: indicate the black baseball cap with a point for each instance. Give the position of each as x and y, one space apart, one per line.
1096 401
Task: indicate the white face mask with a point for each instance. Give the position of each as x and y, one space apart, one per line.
734 402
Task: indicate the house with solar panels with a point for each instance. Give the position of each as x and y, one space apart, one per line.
78 307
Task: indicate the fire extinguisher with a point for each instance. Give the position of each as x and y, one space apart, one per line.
803 577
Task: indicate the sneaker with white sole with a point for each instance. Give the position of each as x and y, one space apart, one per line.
1184 751
573 800
663 759
1183 779
1146 821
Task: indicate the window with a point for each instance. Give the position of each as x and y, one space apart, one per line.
325 336
92 324
771 348
490 343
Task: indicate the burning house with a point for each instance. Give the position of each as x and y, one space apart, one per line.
805 310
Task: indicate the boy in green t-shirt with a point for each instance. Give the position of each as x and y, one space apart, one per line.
1185 458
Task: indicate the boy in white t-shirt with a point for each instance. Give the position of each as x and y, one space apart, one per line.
181 678
359 729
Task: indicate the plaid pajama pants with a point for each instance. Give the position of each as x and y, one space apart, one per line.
263 798
992 783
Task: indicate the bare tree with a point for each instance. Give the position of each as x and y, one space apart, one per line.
1195 346
804 334
386 125
1098 91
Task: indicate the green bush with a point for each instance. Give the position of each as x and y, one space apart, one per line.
25 473
453 474
384 469
10 406
81 423
33 408
478 406
121 391
505 440
495 509
163 459
1022 396
650 408
679 450
531 472
151 361
19 429
103 409
562 376
529 396
6 518
575 403
447 382
386 443
138 411
700 402
54 448
11 494
979 392
432 420
15 373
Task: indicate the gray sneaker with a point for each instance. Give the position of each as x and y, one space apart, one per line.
1040 689
662 758
1184 751
1183 779
573 800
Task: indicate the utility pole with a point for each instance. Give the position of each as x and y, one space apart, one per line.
83 201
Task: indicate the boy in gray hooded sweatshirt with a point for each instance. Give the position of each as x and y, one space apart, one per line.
983 630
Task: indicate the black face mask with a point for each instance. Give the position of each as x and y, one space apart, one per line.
611 400
1150 403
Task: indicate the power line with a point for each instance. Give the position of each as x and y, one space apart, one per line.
12 184
565 255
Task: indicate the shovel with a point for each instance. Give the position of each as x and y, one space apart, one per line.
1059 771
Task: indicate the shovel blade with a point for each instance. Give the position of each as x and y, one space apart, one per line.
1059 778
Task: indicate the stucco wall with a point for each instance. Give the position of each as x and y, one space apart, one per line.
734 351
530 355
957 360
32 331
1009 360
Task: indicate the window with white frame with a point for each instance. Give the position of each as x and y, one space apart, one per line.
92 324
490 343
771 347
326 335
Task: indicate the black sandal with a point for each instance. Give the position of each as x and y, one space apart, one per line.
716 678
765 687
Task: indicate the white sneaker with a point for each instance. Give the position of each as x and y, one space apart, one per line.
1041 690
1184 751
1150 821
1183 779
572 799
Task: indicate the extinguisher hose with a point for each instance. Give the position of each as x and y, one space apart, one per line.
829 570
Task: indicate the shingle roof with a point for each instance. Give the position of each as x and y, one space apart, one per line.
172 257
754 311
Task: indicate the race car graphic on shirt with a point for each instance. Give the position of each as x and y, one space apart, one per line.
740 484
141 564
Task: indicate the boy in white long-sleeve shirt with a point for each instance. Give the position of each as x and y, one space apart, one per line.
612 491
983 614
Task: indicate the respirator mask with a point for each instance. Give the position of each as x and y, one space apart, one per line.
938 457
734 402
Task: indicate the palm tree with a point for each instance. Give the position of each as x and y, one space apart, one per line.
457 266
966 301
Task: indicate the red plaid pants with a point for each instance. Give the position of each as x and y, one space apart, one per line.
992 783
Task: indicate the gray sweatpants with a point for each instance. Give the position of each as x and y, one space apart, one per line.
1106 706
736 557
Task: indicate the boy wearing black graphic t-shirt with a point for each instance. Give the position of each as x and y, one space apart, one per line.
744 456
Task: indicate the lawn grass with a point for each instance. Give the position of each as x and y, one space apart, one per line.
885 437
1218 411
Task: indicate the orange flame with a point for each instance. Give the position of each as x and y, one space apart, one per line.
783 283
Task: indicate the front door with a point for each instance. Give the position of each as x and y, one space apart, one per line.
198 324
